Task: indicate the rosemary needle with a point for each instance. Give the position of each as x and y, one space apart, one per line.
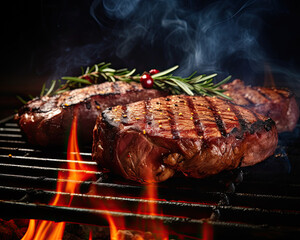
164 80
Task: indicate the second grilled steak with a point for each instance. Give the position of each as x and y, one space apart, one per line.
278 104
47 121
148 141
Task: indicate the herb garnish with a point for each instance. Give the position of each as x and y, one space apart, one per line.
164 80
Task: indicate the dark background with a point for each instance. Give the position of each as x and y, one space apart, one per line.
39 36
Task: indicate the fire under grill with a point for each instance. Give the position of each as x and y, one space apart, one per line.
262 201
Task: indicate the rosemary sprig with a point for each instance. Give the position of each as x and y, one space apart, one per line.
164 80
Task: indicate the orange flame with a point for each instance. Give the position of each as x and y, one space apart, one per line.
79 172
49 229
30 231
112 227
152 209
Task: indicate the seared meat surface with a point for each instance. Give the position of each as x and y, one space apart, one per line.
47 121
148 141
278 104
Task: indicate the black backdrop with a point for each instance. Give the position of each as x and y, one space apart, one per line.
41 39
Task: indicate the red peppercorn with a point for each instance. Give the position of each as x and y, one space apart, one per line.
146 81
153 71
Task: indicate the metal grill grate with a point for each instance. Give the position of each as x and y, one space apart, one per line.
258 201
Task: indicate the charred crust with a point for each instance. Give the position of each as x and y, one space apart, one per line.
234 130
241 161
172 123
217 116
255 127
196 119
170 112
24 109
237 133
267 125
36 109
242 121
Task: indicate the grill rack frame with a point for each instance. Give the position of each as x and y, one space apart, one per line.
220 204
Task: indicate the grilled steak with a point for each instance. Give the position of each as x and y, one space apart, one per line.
278 104
148 141
47 121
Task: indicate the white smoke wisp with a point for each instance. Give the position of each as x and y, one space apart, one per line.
223 37
197 39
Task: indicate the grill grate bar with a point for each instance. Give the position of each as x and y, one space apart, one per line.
11 125
10 130
20 150
49 160
207 198
180 225
11 135
49 169
124 204
28 179
173 208
12 141
91 216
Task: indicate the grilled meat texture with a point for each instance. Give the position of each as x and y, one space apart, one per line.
148 141
47 121
278 104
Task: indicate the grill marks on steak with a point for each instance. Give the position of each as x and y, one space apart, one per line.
148 141
47 121
278 104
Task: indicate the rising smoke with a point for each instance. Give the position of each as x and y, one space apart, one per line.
222 36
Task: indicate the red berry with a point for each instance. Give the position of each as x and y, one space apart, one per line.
146 80
153 71
87 78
